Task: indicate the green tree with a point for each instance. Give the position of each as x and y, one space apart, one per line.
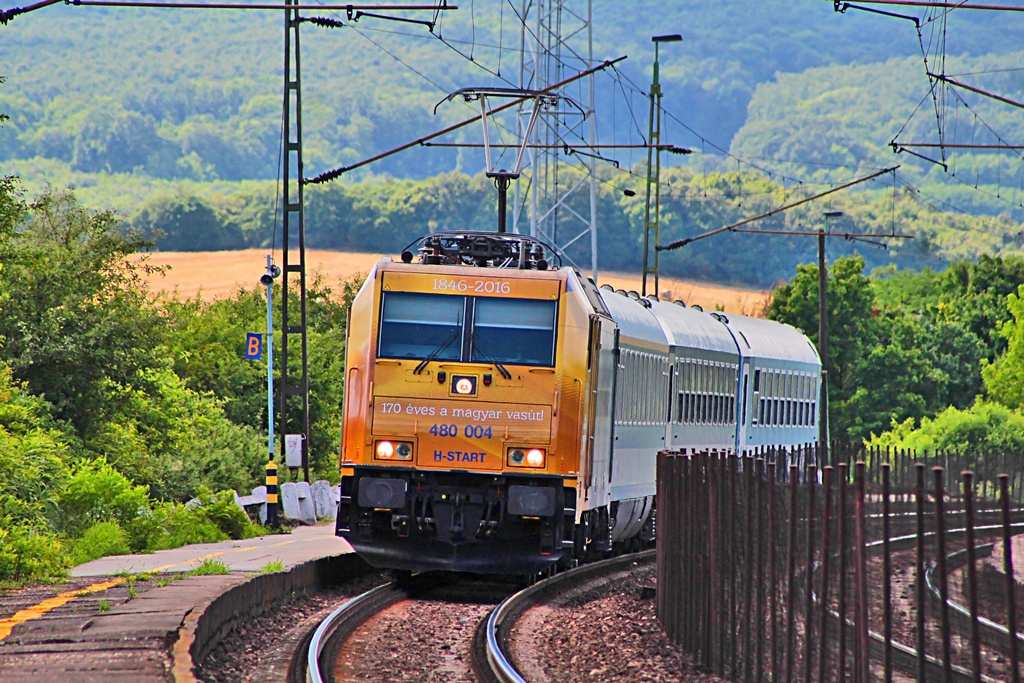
186 223
81 322
1004 377
849 304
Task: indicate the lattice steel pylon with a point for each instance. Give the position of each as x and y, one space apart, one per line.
294 263
557 41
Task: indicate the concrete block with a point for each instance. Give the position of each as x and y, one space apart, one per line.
324 501
260 493
297 503
307 508
289 500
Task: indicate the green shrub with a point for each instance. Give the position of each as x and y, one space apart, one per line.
96 492
984 427
172 525
100 540
221 510
27 554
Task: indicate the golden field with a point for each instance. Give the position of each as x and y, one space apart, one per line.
221 273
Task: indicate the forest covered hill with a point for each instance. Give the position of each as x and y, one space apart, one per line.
142 109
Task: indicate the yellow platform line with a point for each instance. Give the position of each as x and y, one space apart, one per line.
35 611
7 625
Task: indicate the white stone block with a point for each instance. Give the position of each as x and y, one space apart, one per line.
307 508
261 493
289 501
324 501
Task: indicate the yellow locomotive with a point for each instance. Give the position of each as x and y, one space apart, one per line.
486 393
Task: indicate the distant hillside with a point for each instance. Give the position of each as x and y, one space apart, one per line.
196 94
174 118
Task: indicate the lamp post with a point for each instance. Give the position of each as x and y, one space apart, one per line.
267 280
823 339
654 176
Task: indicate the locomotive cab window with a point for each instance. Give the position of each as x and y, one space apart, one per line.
408 331
515 331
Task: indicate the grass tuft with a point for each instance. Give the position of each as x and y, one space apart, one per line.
209 568
271 567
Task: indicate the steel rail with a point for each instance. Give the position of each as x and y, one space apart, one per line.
906 656
348 616
502 618
992 632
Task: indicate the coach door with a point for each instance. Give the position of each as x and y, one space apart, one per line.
596 468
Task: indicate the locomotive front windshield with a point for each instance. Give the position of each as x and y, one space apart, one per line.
421 325
468 329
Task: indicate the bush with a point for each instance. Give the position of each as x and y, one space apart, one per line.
172 525
100 540
27 554
984 427
96 492
220 509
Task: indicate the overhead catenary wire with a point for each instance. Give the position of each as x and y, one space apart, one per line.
335 173
767 214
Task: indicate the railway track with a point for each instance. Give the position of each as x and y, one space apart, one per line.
994 641
465 626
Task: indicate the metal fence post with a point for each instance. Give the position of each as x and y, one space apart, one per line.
1011 608
972 574
886 570
940 558
861 579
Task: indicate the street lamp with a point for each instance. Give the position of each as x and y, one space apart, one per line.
823 339
653 139
267 280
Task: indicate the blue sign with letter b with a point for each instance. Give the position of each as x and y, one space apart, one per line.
253 346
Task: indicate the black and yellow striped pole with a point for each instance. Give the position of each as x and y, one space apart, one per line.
272 495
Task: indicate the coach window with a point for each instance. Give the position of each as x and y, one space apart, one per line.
805 390
519 331
421 325
722 417
789 399
705 382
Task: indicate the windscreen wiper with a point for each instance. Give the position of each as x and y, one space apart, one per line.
437 351
489 358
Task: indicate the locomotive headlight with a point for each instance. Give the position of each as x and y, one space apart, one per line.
388 450
535 458
464 385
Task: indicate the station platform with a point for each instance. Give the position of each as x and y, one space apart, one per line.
304 543
106 624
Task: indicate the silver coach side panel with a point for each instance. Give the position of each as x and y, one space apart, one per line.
641 396
705 368
782 375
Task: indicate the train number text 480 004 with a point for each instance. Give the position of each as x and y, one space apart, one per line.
469 431
472 286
